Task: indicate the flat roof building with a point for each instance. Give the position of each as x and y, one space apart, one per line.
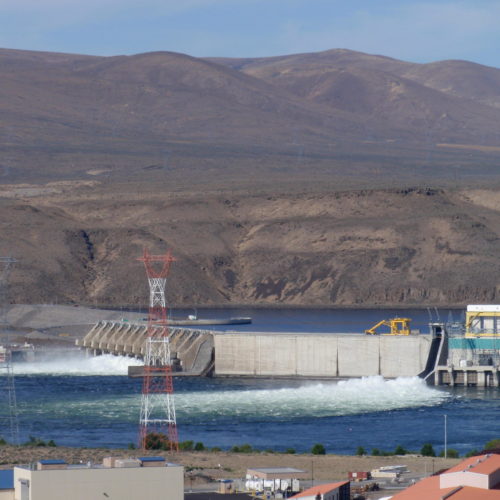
276 473
146 478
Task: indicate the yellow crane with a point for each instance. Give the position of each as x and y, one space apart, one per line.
398 326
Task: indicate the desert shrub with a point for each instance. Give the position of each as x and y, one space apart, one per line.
246 448
34 441
471 453
157 441
318 449
427 450
493 444
450 452
186 445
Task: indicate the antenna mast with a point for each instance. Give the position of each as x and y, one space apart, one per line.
157 403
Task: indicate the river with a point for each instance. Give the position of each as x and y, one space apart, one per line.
90 401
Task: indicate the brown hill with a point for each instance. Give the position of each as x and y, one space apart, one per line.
372 247
304 118
280 180
449 101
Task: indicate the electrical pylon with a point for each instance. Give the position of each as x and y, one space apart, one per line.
7 383
157 403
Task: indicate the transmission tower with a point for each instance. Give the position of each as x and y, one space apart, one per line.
7 383
157 403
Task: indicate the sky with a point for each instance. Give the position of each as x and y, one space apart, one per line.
412 30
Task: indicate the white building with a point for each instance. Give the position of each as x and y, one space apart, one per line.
146 478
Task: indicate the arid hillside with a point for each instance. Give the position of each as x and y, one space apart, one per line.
328 179
339 116
407 246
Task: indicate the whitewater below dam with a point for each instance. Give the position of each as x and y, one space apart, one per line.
91 402
83 401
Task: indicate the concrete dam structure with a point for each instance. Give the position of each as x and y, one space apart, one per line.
191 349
320 355
198 352
437 357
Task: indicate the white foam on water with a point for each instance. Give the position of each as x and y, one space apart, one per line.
319 399
77 364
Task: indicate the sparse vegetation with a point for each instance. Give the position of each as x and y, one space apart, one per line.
318 449
360 451
244 448
34 441
400 450
186 445
427 450
493 444
471 453
450 453
157 441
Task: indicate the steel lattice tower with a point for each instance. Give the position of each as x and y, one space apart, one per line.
157 403
7 384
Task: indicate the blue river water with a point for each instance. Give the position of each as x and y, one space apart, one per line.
91 402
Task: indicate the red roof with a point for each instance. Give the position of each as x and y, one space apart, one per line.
321 489
482 464
428 489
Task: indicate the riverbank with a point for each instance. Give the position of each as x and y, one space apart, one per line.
211 466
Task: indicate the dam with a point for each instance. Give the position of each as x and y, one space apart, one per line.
199 352
437 357
320 356
443 356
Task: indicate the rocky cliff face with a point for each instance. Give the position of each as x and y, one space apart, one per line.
413 246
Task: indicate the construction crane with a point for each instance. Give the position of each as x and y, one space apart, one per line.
398 326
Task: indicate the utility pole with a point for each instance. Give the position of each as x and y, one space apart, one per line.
445 436
7 382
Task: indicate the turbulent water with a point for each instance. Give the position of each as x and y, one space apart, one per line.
80 401
89 402
77 364
313 400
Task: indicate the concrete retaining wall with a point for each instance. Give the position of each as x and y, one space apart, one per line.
316 355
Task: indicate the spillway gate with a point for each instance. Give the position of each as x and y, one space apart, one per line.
191 348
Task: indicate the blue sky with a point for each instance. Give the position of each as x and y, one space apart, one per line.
413 30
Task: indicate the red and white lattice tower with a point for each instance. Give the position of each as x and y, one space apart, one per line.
157 404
